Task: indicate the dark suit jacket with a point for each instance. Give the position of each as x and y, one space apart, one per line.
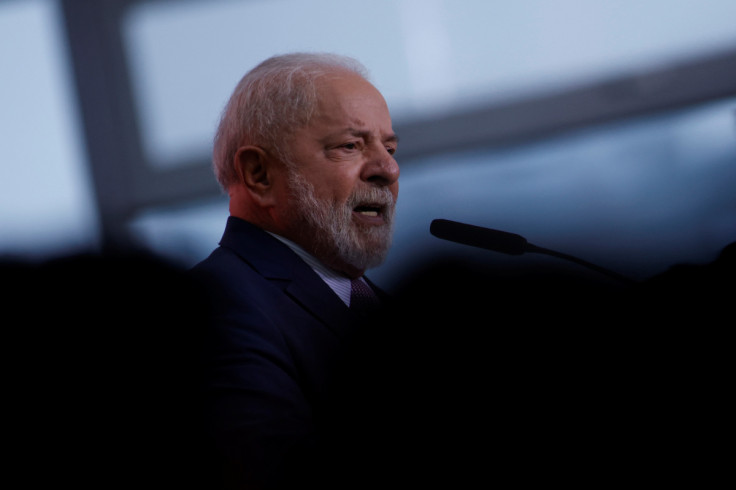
276 354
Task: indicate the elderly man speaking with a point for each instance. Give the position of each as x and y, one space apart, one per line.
305 151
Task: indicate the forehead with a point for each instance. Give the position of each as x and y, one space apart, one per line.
349 97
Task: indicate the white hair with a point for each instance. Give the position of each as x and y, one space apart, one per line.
270 102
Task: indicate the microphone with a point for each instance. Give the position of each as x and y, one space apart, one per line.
504 242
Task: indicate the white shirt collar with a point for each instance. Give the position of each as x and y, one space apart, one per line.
338 282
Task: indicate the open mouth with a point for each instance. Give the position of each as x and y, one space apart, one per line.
368 210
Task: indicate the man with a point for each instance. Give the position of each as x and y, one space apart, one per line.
305 151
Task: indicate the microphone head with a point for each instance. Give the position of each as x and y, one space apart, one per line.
477 236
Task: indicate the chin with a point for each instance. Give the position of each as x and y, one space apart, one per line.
368 250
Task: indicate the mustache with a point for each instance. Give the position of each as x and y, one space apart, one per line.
375 196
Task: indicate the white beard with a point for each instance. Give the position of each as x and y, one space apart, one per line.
335 234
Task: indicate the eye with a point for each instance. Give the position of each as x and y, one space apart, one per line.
350 146
391 150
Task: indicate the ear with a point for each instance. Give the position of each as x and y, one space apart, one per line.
253 168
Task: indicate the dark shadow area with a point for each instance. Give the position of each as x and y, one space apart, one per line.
102 367
535 376
475 375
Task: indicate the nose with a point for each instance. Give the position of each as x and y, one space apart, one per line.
381 168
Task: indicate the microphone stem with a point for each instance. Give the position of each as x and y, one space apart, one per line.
535 249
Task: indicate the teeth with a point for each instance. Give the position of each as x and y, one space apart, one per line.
369 213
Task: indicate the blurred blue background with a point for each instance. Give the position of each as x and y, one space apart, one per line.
588 126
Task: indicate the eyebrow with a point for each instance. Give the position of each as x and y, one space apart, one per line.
391 138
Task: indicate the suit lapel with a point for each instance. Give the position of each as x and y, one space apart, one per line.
279 264
315 296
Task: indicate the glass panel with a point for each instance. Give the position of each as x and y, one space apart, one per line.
46 201
426 56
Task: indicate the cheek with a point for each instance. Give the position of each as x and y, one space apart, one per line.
339 187
332 191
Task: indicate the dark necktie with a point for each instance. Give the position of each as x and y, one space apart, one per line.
362 298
